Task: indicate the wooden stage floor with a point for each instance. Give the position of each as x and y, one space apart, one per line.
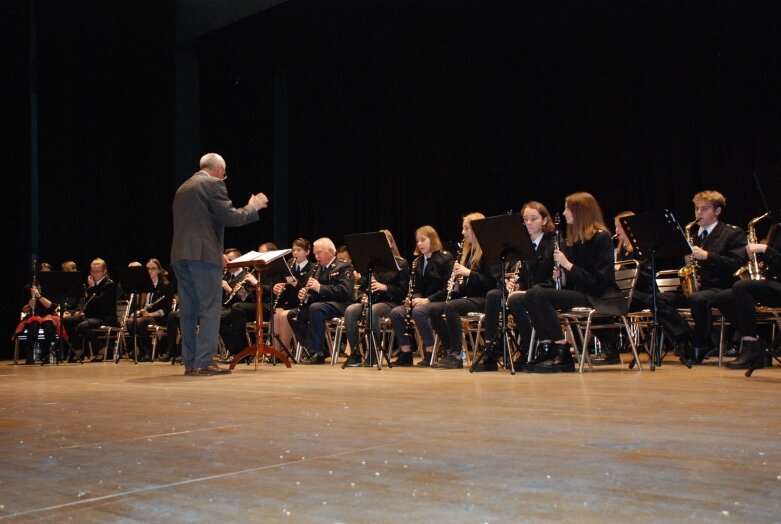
143 443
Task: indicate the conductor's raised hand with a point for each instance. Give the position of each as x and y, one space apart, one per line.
259 201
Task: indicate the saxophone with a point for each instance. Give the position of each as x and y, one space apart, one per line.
753 269
690 280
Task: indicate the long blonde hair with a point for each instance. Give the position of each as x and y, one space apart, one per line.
468 246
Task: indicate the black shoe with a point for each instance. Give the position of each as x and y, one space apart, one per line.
353 361
426 362
487 364
165 357
698 355
404 359
544 352
315 358
749 355
561 362
451 361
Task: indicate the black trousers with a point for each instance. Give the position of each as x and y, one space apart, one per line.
675 326
738 303
449 328
541 304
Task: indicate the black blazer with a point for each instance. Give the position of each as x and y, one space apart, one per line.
771 258
337 283
726 247
540 270
397 282
289 296
433 283
594 274
479 282
166 292
101 302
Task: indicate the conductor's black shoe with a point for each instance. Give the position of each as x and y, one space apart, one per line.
487 364
353 361
314 358
451 361
426 362
404 359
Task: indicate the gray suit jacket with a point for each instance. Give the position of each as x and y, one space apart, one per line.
202 210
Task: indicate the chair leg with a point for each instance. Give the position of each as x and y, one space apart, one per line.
632 344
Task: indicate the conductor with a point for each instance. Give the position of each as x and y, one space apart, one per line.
202 210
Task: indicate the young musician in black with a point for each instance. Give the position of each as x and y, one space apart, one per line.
719 250
286 293
99 309
738 304
539 225
470 280
389 289
586 276
432 269
153 309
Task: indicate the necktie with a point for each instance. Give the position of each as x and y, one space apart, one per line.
425 263
703 235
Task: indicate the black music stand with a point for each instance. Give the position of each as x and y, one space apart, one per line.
504 240
62 285
655 234
135 280
371 252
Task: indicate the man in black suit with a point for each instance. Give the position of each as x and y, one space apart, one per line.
202 210
719 250
327 293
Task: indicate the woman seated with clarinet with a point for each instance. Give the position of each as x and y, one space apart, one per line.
469 282
286 294
427 286
585 277
539 225
388 288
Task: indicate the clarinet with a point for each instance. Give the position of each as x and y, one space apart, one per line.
451 283
236 288
311 275
291 263
408 300
557 246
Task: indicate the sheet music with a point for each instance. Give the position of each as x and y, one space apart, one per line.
268 256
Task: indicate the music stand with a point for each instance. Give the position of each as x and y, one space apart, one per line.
371 252
269 263
504 239
655 234
277 271
61 285
135 280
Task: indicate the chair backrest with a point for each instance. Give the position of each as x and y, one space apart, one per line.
667 280
626 277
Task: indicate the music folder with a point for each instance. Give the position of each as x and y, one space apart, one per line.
274 263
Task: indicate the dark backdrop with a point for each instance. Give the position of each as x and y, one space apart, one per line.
400 113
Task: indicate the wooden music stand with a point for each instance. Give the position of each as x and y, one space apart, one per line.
269 262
